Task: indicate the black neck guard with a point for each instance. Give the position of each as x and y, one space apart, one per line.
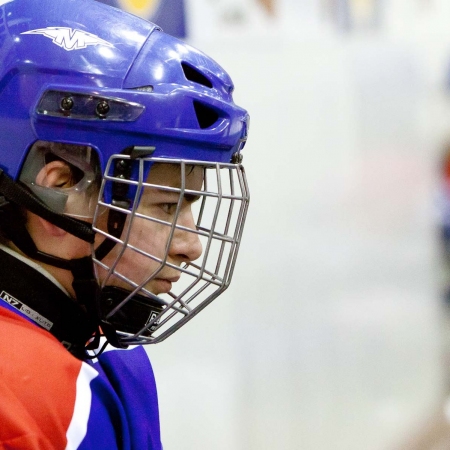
32 293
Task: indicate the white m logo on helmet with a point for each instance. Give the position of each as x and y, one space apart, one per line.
69 39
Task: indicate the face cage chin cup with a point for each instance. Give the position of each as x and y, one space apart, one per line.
139 316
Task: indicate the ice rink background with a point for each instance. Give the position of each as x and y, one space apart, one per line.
333 334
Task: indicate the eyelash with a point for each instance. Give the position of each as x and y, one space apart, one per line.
168 208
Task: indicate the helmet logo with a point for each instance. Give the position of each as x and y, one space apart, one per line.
68 38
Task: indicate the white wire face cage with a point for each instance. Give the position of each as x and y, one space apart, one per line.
178 247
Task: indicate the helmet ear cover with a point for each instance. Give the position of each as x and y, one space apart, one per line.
76 192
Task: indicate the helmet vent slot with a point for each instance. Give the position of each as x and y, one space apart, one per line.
194 75
206 116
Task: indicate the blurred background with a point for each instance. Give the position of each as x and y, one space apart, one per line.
335 333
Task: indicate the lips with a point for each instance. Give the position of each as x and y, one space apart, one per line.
164 285
173 279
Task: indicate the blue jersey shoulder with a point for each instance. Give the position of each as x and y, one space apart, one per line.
124 403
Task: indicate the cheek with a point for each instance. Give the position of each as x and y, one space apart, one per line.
149 237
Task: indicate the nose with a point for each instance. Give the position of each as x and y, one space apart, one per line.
186 244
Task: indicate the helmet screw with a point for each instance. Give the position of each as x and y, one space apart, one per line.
121 164
237 158
102 108
67 103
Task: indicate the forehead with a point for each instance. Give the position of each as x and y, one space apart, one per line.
169 174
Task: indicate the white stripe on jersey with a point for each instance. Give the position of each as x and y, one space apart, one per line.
78 425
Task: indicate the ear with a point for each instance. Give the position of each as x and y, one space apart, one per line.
54 174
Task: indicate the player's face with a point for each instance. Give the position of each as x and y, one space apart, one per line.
152 237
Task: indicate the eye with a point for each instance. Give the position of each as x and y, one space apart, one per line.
168 208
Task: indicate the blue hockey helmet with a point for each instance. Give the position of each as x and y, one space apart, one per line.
137 114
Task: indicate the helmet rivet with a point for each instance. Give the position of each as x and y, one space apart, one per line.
102 108
237 158
67 103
